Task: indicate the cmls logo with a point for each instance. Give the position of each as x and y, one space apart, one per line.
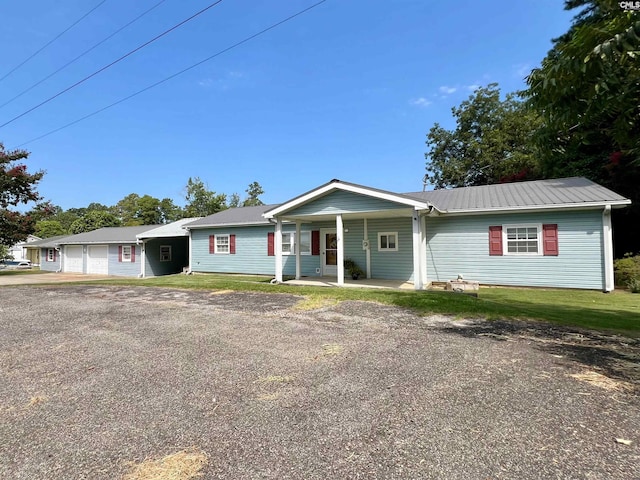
629 5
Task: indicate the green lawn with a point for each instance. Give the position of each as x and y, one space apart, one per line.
618 311
9 271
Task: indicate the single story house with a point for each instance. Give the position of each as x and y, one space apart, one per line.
138 251
20 250
48 251
547 233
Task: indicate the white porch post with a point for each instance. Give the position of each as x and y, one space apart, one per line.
423 249
339 238
607 238
143 259
368 249
190 266
297 247
417 244
278 246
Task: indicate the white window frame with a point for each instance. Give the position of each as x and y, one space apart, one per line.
51 255
219 245
387 249
294 244
505 239
169 253
124 255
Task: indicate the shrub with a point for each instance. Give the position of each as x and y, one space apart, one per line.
627 269
634 285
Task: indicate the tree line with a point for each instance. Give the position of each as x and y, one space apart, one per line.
578 116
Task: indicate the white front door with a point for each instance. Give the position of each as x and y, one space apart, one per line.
329 252
73 259
98 259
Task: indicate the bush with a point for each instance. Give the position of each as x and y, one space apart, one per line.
627 269
634 285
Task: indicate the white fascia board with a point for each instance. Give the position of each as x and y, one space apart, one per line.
348 188
225 225
538 208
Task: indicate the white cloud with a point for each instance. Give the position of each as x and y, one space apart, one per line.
447 90
420 102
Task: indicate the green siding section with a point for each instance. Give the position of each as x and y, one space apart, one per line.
460 245
344 202
179 256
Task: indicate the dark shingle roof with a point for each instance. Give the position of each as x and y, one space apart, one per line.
234 216
505 196
108 235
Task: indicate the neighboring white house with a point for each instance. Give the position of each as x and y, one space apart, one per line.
20 252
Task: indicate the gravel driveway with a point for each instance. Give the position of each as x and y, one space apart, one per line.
92 378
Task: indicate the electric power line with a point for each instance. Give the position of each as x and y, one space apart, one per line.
166 79
52 40
82 54
112 63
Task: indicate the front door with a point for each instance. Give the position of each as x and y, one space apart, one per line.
329 247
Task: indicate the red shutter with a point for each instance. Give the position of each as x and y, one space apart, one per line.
315 242
212 244
232 244
133 254
120 253
270 244
550 239
495 240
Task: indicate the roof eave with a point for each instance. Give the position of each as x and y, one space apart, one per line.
534 208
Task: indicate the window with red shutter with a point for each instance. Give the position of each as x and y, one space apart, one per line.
550 239
495 240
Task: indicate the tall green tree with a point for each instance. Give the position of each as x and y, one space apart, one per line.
490 144
253 195
49 228
587 90
17 186
201 201
93 220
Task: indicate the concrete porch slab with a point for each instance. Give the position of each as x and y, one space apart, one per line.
361 283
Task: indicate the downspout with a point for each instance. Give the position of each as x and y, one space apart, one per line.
189 270
143 258
607 243
59 250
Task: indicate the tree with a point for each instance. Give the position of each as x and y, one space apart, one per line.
253 192
234 201
169 211
49 228
490 144
93 220
17 186
201 201
587 91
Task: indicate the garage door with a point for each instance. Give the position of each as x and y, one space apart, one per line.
73 259
98 259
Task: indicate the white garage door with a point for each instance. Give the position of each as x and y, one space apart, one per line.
98 259
72 259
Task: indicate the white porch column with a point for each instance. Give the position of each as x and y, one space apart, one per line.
340 241
278 246
297 247
143 259
190 251
423 249
368 249
417 257
607 238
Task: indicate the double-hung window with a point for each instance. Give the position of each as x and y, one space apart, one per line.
222 243
51 255
126 253
165 253
522 239
289 244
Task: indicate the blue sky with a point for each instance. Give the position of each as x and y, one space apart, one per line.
348 90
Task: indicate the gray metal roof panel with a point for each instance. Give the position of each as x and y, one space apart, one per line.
537 193
109 235
234 216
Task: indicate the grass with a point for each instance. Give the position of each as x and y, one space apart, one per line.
8 271
618 311
182 465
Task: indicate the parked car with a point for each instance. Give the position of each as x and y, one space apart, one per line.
16 264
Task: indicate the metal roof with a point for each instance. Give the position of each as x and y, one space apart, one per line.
234 217
173 229
560 192
108 235
50 242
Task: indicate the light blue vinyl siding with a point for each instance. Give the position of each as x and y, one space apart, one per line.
251 253
49 266
123 269
460 245
392 265
179 256
344 202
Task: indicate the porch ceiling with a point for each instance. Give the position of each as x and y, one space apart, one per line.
400 212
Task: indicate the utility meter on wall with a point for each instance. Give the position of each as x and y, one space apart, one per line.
365 244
